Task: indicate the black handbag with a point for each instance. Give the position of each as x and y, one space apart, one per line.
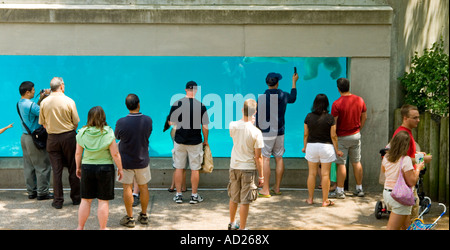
39 135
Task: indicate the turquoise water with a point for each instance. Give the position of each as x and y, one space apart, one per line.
158 81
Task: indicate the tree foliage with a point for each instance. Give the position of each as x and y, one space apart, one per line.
426 85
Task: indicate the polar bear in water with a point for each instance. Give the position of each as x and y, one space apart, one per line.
311 64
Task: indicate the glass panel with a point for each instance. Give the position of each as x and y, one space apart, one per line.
225 83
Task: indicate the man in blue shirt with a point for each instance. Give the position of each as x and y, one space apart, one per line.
36 164
134 131
270 119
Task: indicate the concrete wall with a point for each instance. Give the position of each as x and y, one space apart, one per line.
361 33
417 24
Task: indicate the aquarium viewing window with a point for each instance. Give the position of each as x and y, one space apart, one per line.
225 82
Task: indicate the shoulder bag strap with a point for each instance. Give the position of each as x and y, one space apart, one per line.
18 111
29 113
400 166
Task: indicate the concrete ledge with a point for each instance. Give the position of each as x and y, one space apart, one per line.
194 14
199 2
295 175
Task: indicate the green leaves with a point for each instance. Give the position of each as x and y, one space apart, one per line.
426 85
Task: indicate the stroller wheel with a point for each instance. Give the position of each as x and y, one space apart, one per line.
379 209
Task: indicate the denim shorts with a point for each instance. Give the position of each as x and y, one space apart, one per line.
97 181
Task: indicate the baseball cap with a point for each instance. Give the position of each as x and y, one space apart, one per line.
191 85
273 78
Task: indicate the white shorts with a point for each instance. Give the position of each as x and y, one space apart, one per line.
320 152
181 152
394 206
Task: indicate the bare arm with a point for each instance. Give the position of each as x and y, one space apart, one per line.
382 177
259 166
78 156
114 150
43 95
305 138
363 119
5 128
205 131
334 139
412 176
294 80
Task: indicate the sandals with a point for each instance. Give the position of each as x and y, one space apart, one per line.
264 195
276 193
327 203
173 190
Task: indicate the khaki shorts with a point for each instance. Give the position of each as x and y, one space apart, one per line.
273 146
181 152
241 187
351 147
142 175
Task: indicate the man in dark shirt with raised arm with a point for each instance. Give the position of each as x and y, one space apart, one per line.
270 119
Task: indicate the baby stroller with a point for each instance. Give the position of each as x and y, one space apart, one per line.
380 206
424 201
418 223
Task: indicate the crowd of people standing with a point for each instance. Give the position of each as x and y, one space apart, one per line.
95 160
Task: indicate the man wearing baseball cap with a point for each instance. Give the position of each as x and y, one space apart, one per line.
270 119
191 120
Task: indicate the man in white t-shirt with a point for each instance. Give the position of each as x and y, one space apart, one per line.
245 165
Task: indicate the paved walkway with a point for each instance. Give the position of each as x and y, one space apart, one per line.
288 211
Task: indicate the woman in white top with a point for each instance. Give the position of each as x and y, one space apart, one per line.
398 153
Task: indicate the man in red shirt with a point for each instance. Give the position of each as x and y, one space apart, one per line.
349 111
410 120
